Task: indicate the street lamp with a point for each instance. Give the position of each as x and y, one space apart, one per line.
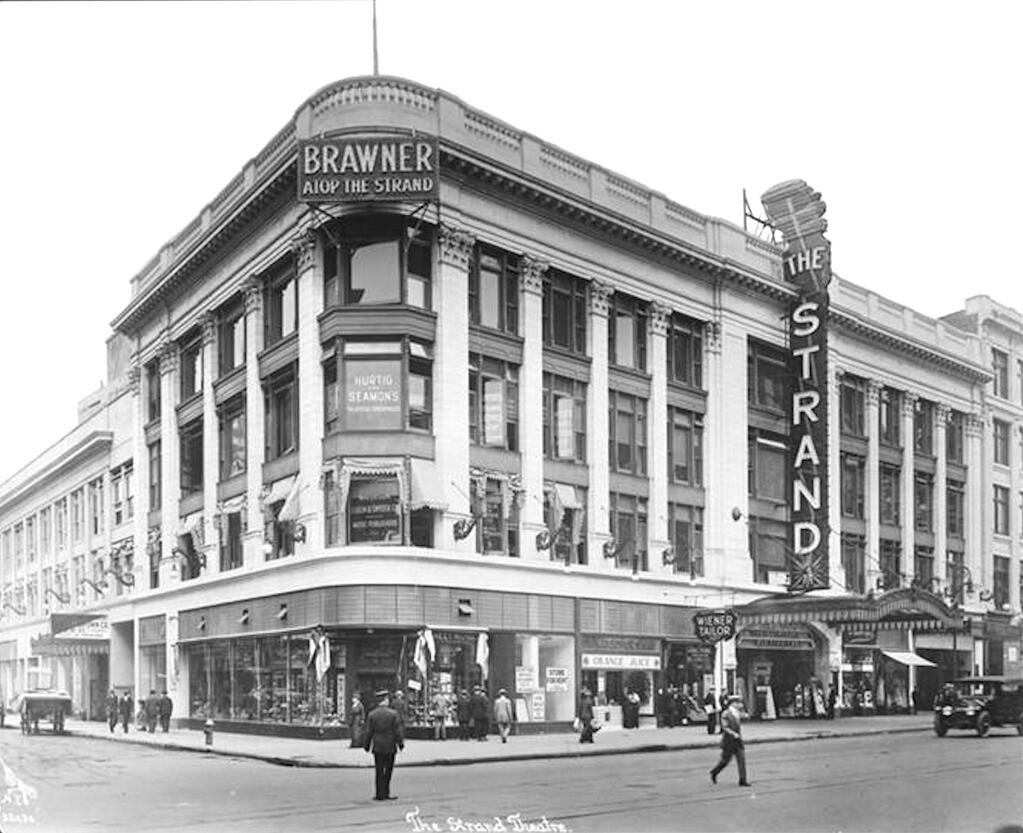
961 583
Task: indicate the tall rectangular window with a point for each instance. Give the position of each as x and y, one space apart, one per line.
153 391
233 440
191 457
495 503
685 447
852 405
1000 441
96 506
891 564
564 418
955 574
954 437
121 495
280 306
1001 518
685 351
853 485
61 522
923 500
626 332
923 565
231 336
685 531
891 500
766 377
768 472
923 427
155 490
231 556
190 370
890 417
493 402
564 312
955 501
627 432
494 290
280 411
30 539
854 559
1000 582
768 547
44 531
628 518
1000 370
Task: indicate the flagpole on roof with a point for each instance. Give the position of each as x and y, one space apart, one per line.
376 63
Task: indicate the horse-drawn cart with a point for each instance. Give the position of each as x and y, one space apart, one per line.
34 706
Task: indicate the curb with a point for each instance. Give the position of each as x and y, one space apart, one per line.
278 760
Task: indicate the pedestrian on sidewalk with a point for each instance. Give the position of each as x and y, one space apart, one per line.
464 714
140 717
166 710
731 741
710 706
112 709
152 707
503 713
439 706
125 709
356 722
384 737
481 713
585 716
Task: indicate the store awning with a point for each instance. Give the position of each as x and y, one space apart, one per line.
567 496
278 491
66 621
909 658
426 490
292 507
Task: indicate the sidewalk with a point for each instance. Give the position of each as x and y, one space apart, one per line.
338 754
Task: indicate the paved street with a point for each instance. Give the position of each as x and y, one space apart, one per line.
889 782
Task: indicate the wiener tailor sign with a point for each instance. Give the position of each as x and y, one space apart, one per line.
798 211
367 168
372 399
715 625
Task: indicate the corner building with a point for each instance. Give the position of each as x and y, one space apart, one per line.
487 413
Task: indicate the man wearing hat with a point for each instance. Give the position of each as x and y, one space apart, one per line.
731 741
480 712
384 734
503 714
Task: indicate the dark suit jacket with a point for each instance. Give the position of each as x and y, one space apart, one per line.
383 731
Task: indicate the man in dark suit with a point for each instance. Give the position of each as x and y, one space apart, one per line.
731 741
384 734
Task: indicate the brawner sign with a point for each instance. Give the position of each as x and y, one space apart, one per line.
366 168
798 212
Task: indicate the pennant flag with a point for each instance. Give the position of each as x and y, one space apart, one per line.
483 653
428 637
419 654
322 657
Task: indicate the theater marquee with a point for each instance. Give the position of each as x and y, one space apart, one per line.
798 212
367 168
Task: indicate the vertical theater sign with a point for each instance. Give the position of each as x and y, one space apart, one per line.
798 212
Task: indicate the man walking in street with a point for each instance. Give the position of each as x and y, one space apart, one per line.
152 707
166 709
503 714
731 742
113 706
127 707
384 736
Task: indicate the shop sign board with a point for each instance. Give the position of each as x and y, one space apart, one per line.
772 639
374 517
368 168
372 395
525 678
557 679
538 705
715 625
798 212
97 629
619 662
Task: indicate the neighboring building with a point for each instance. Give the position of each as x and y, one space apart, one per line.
532 415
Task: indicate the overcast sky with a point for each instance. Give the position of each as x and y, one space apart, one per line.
122 120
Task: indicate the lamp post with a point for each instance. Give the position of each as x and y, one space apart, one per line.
961 582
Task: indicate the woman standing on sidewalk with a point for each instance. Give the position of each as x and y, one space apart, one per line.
356 721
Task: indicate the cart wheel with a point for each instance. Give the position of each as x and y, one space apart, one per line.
983 723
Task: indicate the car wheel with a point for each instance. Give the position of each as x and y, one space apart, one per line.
940 728
983 723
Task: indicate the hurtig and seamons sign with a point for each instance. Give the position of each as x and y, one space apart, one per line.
367 168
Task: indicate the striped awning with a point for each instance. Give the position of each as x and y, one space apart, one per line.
48 646
902 609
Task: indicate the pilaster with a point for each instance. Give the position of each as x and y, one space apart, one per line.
598 498
1015 515
140 472
979 496
942 415
210 436
254 429
657 442
170 476
530 393
310 388
451 391
873 543
909 401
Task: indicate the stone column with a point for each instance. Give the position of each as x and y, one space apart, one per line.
598 498
908 518
253 535
873 543
210 457
451 386
943 413
170 476
657 442
1015 515
978 497
140 474
531 519
310 388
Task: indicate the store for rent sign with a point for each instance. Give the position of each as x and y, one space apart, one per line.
798 212
365 168
372 397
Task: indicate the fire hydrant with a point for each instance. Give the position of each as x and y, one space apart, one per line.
207 730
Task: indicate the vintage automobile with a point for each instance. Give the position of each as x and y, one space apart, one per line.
978 703
45 704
